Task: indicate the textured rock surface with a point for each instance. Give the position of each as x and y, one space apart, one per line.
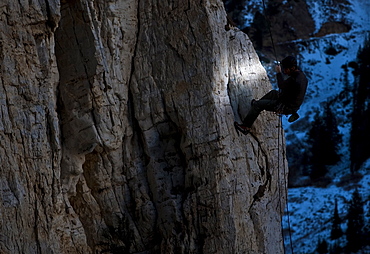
117 131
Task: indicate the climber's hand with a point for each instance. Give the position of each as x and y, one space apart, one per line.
278 68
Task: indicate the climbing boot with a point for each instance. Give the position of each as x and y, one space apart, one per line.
242 128
252 102
293 117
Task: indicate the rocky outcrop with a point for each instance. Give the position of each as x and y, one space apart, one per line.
333 27
117 131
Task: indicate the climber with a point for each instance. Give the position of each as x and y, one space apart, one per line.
286 101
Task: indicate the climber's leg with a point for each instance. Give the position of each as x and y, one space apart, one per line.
267 102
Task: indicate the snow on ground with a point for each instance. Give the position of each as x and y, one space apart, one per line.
326 10
310 211
359 16
252 7
311 208
325 71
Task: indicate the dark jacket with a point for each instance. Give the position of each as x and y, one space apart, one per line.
292 90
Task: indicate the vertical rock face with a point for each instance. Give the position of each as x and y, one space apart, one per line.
117 131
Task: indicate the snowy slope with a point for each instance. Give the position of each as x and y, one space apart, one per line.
325 71
310 211
357 12
310 208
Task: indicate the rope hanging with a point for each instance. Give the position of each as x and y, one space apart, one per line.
269 28
280 129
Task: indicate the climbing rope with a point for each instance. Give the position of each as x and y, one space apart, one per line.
269 28
280 130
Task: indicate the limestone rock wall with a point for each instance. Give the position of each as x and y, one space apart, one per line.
117 134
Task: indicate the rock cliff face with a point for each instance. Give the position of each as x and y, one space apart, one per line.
117 131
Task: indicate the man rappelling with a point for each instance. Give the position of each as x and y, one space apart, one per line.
286 101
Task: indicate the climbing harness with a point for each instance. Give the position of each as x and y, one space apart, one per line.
280 129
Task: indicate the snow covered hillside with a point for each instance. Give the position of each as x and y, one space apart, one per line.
311 211
311 208
323 58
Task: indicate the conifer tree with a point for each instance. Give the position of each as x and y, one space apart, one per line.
323 141
336 230
334 138
315 139
258 30
360 135
335 248
355 223
322 247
